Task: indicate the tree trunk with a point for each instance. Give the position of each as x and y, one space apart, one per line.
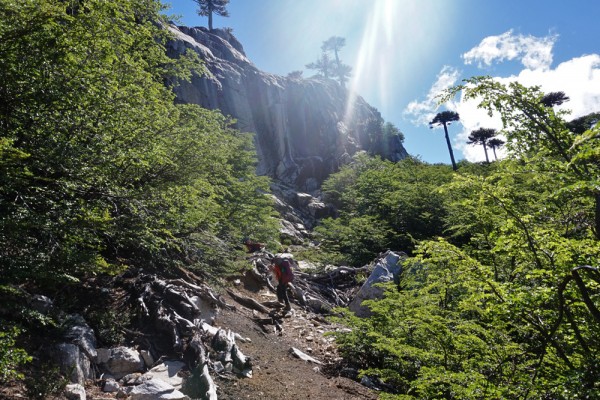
487 160
597 196
210 26
450 148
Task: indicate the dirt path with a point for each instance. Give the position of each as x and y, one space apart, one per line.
277 374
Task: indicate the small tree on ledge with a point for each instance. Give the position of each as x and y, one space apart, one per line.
206 8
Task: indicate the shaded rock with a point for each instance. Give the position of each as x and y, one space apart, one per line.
73 362
200 385
40 303
80 333
387 269
110 386
305 128
147 357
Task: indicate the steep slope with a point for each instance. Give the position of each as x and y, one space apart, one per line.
305 128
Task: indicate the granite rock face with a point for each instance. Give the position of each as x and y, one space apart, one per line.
305 128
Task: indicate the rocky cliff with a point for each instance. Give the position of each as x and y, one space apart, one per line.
305 128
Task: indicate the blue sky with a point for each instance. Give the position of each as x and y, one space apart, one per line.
403 52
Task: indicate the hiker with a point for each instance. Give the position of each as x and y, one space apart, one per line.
282 268
252 246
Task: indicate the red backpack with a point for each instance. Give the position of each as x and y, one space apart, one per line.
285 267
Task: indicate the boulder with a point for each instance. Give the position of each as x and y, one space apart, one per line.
75 391
156 389
387 269
74 362
120 361
80 333
168 371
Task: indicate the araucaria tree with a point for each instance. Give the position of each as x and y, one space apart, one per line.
206 8
445 118
495 143
482 136
335 44
324 66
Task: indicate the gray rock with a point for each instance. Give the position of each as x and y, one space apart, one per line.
304 128
168 372
155 389
147 357
73 361
80 333
387 269
200 384
111 386
75 391
121 361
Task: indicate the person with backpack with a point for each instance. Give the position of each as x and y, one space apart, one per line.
282 268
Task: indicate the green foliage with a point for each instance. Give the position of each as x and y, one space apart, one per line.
100 170
45 381
11 357
382 205
206 8
108 325
511 307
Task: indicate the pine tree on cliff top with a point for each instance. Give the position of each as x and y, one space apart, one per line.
206 8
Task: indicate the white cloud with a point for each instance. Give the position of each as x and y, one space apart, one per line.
533 52
421 112
579 78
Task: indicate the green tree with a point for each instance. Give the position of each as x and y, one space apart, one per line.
206 8
100 170
537 132
554 99
482 136
585 123
324 65
341 70
445 118
495 143
389 129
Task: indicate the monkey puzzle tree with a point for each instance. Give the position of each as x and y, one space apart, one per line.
206 8
482 136
324 65
554 99
445 118
334 44
495 143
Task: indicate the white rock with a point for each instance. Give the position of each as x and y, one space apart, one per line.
123 361
168 372
303 356
156 389
75 391
111 386
147 357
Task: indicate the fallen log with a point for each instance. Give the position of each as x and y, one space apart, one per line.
248 302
